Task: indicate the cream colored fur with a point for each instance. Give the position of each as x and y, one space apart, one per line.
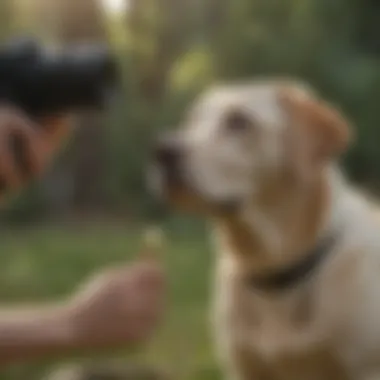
261 337
328 326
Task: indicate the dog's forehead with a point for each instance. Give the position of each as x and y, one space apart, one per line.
259 100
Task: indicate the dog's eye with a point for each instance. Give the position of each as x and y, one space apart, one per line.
237 121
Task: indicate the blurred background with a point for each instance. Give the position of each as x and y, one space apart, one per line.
90 208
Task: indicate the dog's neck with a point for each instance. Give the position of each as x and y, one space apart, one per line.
280 226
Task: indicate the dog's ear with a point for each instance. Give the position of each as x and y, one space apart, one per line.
317 133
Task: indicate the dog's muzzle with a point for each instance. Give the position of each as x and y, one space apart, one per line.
168 160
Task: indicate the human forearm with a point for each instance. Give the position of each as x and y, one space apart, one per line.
29 333
117 307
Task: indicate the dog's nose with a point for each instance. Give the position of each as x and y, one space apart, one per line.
167 154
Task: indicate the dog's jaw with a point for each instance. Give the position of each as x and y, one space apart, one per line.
262 236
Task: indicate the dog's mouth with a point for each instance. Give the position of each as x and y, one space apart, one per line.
171 185
170 180
168 184
163 181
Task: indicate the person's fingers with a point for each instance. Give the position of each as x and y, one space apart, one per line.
141 274
143 290
146 315
8 174
145 300
20 158
52 132
150 277
25 147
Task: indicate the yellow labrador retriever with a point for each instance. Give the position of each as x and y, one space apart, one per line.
297 282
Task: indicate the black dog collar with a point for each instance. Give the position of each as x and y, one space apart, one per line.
288 277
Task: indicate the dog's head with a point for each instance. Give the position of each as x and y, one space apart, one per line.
240 139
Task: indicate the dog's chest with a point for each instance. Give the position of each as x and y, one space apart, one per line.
269 339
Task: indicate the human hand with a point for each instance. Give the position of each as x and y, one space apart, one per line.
26 147
119 306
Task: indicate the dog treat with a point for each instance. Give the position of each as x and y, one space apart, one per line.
153 242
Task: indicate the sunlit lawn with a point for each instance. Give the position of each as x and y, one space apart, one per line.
48 263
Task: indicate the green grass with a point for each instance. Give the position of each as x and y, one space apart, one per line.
48 263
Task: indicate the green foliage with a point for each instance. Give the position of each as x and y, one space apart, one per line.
170 50
193 71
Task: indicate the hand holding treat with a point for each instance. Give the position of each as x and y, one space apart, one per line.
119 306
123 304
